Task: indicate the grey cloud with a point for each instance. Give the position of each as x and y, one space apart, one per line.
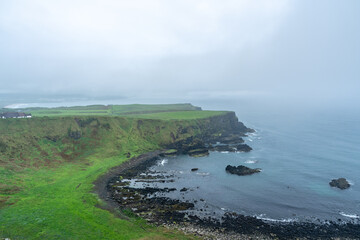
183 49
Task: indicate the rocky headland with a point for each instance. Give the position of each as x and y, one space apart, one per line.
152 204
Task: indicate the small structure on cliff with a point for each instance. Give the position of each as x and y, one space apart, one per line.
15 115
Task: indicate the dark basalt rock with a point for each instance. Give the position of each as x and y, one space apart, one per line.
241 170
243 148
194 169
341 183
149 190
201 152
223 128
160 210
231 148
232 139
187 145
223 148
169 153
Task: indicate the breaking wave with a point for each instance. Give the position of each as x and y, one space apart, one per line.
285 220
251 161
355 216
162 162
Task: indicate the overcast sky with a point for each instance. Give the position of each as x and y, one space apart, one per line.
303 49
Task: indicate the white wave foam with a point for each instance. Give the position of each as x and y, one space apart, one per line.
349 215
352 183
285 220
224 151
223 209
239 152
251 161
162 162
250 140
203 173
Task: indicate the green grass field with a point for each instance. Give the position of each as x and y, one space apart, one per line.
109 110
181 115
48 166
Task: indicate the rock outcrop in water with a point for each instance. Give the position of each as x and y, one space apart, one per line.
241 170
341 183
225 129
231 148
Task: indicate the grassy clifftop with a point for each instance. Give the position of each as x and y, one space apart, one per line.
48 166
107 110
46 141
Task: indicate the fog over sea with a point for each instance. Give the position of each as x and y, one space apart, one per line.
299 149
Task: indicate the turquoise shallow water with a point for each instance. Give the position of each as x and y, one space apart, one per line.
299 152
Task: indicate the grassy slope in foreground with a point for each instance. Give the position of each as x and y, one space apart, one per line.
48 165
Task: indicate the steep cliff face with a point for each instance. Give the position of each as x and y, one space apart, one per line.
195 134
48 166
227 123
48 141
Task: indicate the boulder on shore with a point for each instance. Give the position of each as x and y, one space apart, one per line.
341 183
241 170
201 152
243 148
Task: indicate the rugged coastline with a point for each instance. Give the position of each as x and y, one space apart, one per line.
170 213
49 165
114 189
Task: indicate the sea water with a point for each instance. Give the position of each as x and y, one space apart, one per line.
299 152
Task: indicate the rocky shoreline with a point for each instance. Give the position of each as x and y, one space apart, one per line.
150 202
172 213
